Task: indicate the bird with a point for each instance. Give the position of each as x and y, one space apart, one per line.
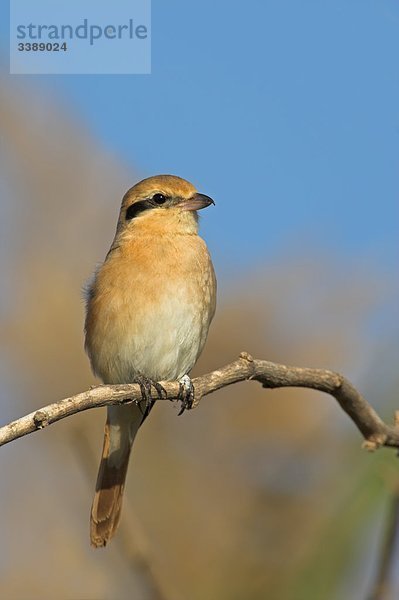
148 311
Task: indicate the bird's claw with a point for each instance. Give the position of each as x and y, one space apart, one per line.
160 390
145 387
186 394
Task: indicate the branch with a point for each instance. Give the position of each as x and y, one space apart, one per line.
375 432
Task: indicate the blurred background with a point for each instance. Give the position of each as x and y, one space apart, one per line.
287 115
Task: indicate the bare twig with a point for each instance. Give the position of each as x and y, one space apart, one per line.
375 432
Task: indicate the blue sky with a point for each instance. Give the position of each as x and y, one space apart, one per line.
285 112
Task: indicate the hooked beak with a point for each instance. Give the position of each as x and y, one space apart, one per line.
197 202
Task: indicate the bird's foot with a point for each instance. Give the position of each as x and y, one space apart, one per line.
186 393
146 384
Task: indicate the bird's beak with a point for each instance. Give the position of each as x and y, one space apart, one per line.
197 202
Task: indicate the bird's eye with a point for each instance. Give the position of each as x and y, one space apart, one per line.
159 199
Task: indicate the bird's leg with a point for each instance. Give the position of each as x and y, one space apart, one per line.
145 387
186 393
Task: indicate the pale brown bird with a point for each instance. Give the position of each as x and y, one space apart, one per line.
149 308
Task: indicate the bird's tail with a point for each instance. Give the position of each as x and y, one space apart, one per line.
121 427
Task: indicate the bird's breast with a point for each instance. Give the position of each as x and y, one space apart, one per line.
150 308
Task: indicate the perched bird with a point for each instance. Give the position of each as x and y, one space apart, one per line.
149 308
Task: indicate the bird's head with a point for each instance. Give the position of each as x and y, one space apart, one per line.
161 204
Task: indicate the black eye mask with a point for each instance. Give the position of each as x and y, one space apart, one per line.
138 207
